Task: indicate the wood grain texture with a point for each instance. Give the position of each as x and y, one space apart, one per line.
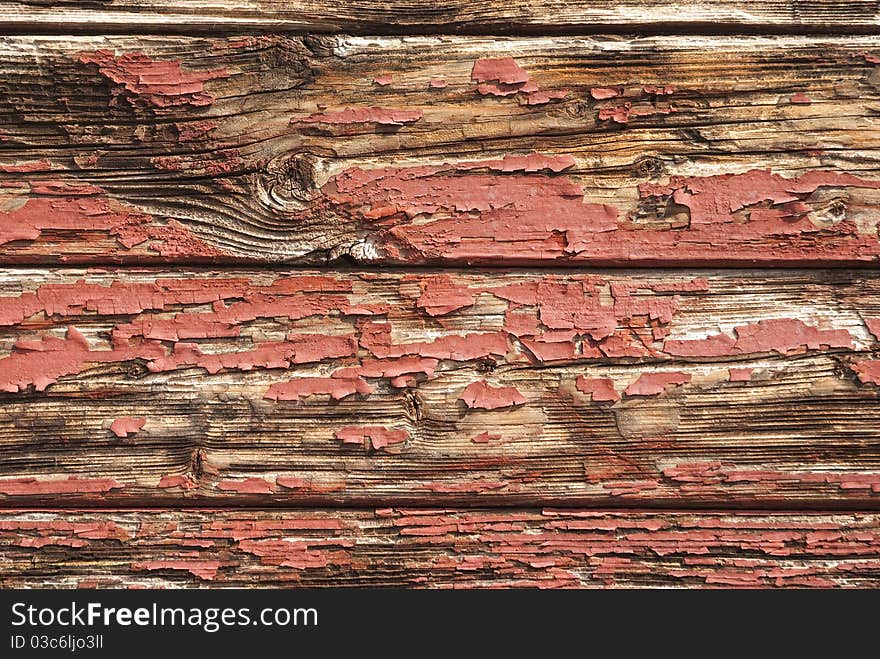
438 548
725 388
426 150
402 17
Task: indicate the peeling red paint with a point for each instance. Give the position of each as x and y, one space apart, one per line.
203 569
739 374
159 86
379 437
602 389
481 395
783 335
873 325
502 76
383 80
800 99
623 113
651 384
71 485
371 115
40 363
246 486
29 166
336 388
868 371
127 425
437 83
74 207
440 295
603 93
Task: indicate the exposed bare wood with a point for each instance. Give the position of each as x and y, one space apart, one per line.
401 17
438 549
663 150
653 388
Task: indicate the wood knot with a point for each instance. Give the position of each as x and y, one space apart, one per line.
486 365
649 167
578 109
415 406
288 183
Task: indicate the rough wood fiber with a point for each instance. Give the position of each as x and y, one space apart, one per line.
614 151
402 16
729 388
438 549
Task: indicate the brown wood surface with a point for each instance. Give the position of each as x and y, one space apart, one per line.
438 548
459 16
723 388
554 294
716 150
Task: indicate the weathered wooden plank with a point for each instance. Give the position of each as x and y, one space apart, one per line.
727 388
401 17
438 548
662 150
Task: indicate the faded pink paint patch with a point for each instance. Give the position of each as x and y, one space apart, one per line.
602 389
159 86
127 425
652 384
800 99
379 437
480 395
739 374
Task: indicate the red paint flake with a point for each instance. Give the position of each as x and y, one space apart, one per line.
739 374
183 482
658 90
30 166
602 93
72 485
873 325
623 113
246 486
75 207
371 115
783 335
40 363
550 351
868 371
383 80
337 388
485 438
437 84
441 295
501 69
192 131
480 395
800 99
502 76
531 162
160 86
127 425
651 384
388 368
203 569
379 437
542 98
602 389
